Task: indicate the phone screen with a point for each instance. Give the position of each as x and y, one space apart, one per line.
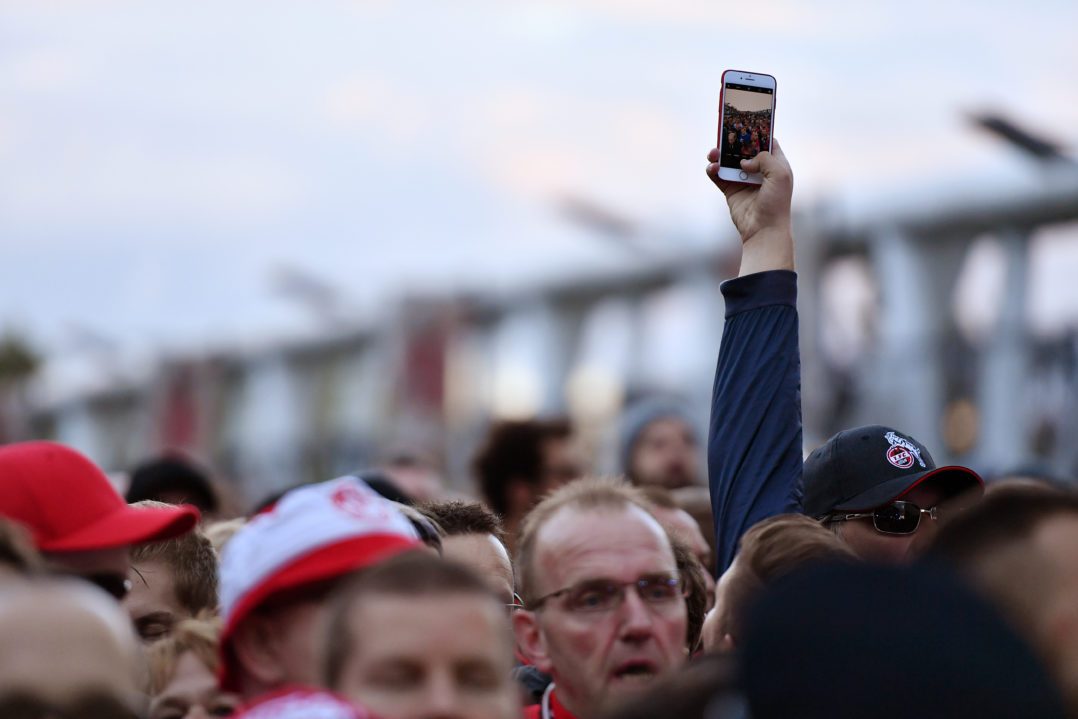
746 122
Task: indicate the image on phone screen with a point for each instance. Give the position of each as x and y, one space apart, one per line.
746 123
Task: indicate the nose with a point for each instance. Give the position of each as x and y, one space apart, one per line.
195 711
636 618
441 698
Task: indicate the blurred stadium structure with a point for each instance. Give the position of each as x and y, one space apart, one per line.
433 375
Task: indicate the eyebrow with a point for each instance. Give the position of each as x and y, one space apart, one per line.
161 616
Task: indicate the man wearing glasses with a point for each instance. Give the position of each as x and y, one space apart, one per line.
78 521
881 492
604 605
871 485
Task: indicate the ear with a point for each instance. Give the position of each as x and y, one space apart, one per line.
255 647
531 641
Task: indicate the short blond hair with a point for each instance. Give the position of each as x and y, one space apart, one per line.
201 636
590 493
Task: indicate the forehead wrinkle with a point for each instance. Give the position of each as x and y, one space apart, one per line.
569 556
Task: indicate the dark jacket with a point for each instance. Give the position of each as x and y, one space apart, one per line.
754 450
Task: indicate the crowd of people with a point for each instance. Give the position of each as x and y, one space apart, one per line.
746 133
863 580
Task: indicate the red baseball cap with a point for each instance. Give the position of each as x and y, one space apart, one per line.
69 505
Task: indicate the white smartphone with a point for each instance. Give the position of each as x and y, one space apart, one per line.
746 119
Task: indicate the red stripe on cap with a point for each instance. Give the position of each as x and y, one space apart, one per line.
955 468
334 560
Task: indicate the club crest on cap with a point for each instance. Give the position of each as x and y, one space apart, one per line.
902 452
353 501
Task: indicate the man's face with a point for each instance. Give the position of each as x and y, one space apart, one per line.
872 545
595 657
560 466
665 454
431 656
684 528
1057 624
152 601
296 625
486 555
717 634
192 692
276 643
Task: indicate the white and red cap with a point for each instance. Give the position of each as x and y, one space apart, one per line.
301 703
312 534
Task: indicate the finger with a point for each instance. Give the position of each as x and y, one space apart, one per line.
713 173
753 164
713 155
774 164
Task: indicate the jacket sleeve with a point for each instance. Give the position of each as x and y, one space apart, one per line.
754 450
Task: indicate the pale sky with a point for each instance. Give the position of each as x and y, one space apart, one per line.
747 101
162 162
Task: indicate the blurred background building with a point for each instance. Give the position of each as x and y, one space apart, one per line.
296 241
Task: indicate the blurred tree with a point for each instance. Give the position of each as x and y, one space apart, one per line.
18 363
18 360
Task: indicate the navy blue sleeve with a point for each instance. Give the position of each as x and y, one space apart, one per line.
754 441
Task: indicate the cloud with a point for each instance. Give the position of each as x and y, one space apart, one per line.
378 105
44 70
89 184
541 144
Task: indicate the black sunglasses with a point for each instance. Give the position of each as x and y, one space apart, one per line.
115 584
899 517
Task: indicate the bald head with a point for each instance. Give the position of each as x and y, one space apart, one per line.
61 639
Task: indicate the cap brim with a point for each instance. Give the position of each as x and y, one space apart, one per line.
128 525
953 480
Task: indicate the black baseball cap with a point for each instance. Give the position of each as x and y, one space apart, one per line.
866 467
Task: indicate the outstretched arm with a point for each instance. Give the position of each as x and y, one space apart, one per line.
754 442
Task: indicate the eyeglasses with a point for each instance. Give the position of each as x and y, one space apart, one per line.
605 595
899 517
115 584
518 603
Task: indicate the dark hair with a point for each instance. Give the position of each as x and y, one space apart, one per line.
381 483
89 705
410 574
991 545
514 450
172 473
1005 516
457 517
692 574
